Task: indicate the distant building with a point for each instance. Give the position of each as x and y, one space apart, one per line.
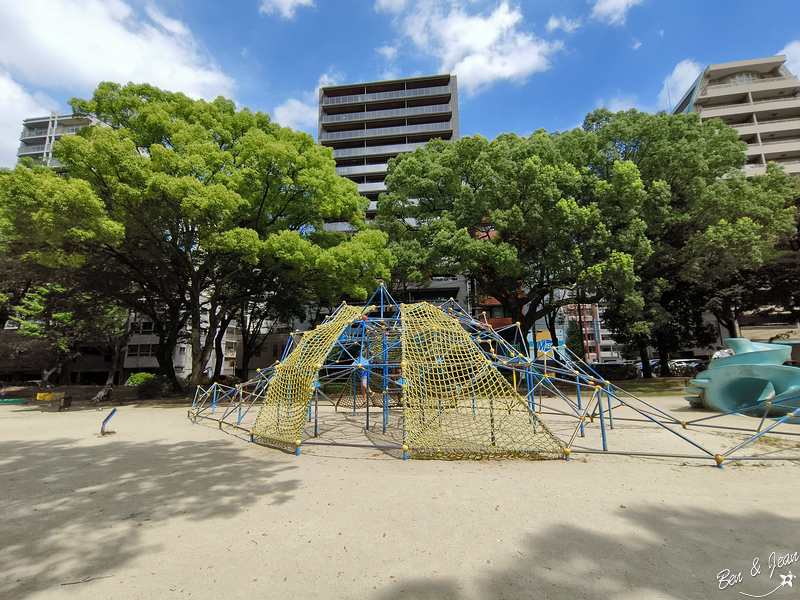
39 134
761 99
366 124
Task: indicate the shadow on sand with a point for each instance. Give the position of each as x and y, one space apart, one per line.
672 554
69 512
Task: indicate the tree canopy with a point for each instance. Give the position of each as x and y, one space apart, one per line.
514 214
192 195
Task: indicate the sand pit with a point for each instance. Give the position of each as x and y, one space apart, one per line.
167 509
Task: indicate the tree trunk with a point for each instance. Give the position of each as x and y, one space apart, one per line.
729 320
218 345
550 321
120 344
46 373
164 353
663 364
647 369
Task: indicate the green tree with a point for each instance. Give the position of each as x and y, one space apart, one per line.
518 218
705 220
67 318
574 340
200 190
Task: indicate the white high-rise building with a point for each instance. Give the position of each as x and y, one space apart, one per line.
40 133
761 99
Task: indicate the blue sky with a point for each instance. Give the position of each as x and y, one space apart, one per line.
520 65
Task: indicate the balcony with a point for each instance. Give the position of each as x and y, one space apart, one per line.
362 170
24 150
364 188
376 115
389 150
384 132
361 98
788 85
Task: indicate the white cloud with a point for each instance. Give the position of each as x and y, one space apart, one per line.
388 52
636 44
480 49
677 82
302 114
171 25
102 40
613 12
792 52
285 7
298 114
393 6
563 23
92 41
621 102
17 104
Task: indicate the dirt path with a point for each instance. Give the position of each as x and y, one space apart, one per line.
167 509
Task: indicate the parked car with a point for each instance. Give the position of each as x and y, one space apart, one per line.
617 370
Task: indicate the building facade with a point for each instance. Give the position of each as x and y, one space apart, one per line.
40 133
761 99
366 124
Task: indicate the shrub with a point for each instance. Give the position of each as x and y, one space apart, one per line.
154 387
139 378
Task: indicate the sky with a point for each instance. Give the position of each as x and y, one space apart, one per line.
521 66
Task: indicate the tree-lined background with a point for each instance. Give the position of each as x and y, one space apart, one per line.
194 214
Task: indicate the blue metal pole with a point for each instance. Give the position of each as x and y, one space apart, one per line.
580 408
385 358
610 415
106 420
602 419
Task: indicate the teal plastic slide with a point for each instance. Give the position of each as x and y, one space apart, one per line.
752 380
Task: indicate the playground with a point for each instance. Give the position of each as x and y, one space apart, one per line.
437 382
307 481
166 508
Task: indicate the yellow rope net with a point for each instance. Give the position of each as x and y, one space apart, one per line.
456 403
282 416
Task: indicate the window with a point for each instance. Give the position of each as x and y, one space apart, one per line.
744 78
142 350
145 327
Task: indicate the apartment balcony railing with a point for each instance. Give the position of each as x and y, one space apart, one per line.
362 169
29 150
31 133
735 104
387 114
766 123
376 150
372 187
771 100
738 83
786 141
384 131
431 91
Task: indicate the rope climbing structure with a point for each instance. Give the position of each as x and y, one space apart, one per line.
446 384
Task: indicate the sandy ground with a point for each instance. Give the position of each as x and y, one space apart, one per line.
167 509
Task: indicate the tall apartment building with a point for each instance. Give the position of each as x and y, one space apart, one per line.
40 133
761 99
366 124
